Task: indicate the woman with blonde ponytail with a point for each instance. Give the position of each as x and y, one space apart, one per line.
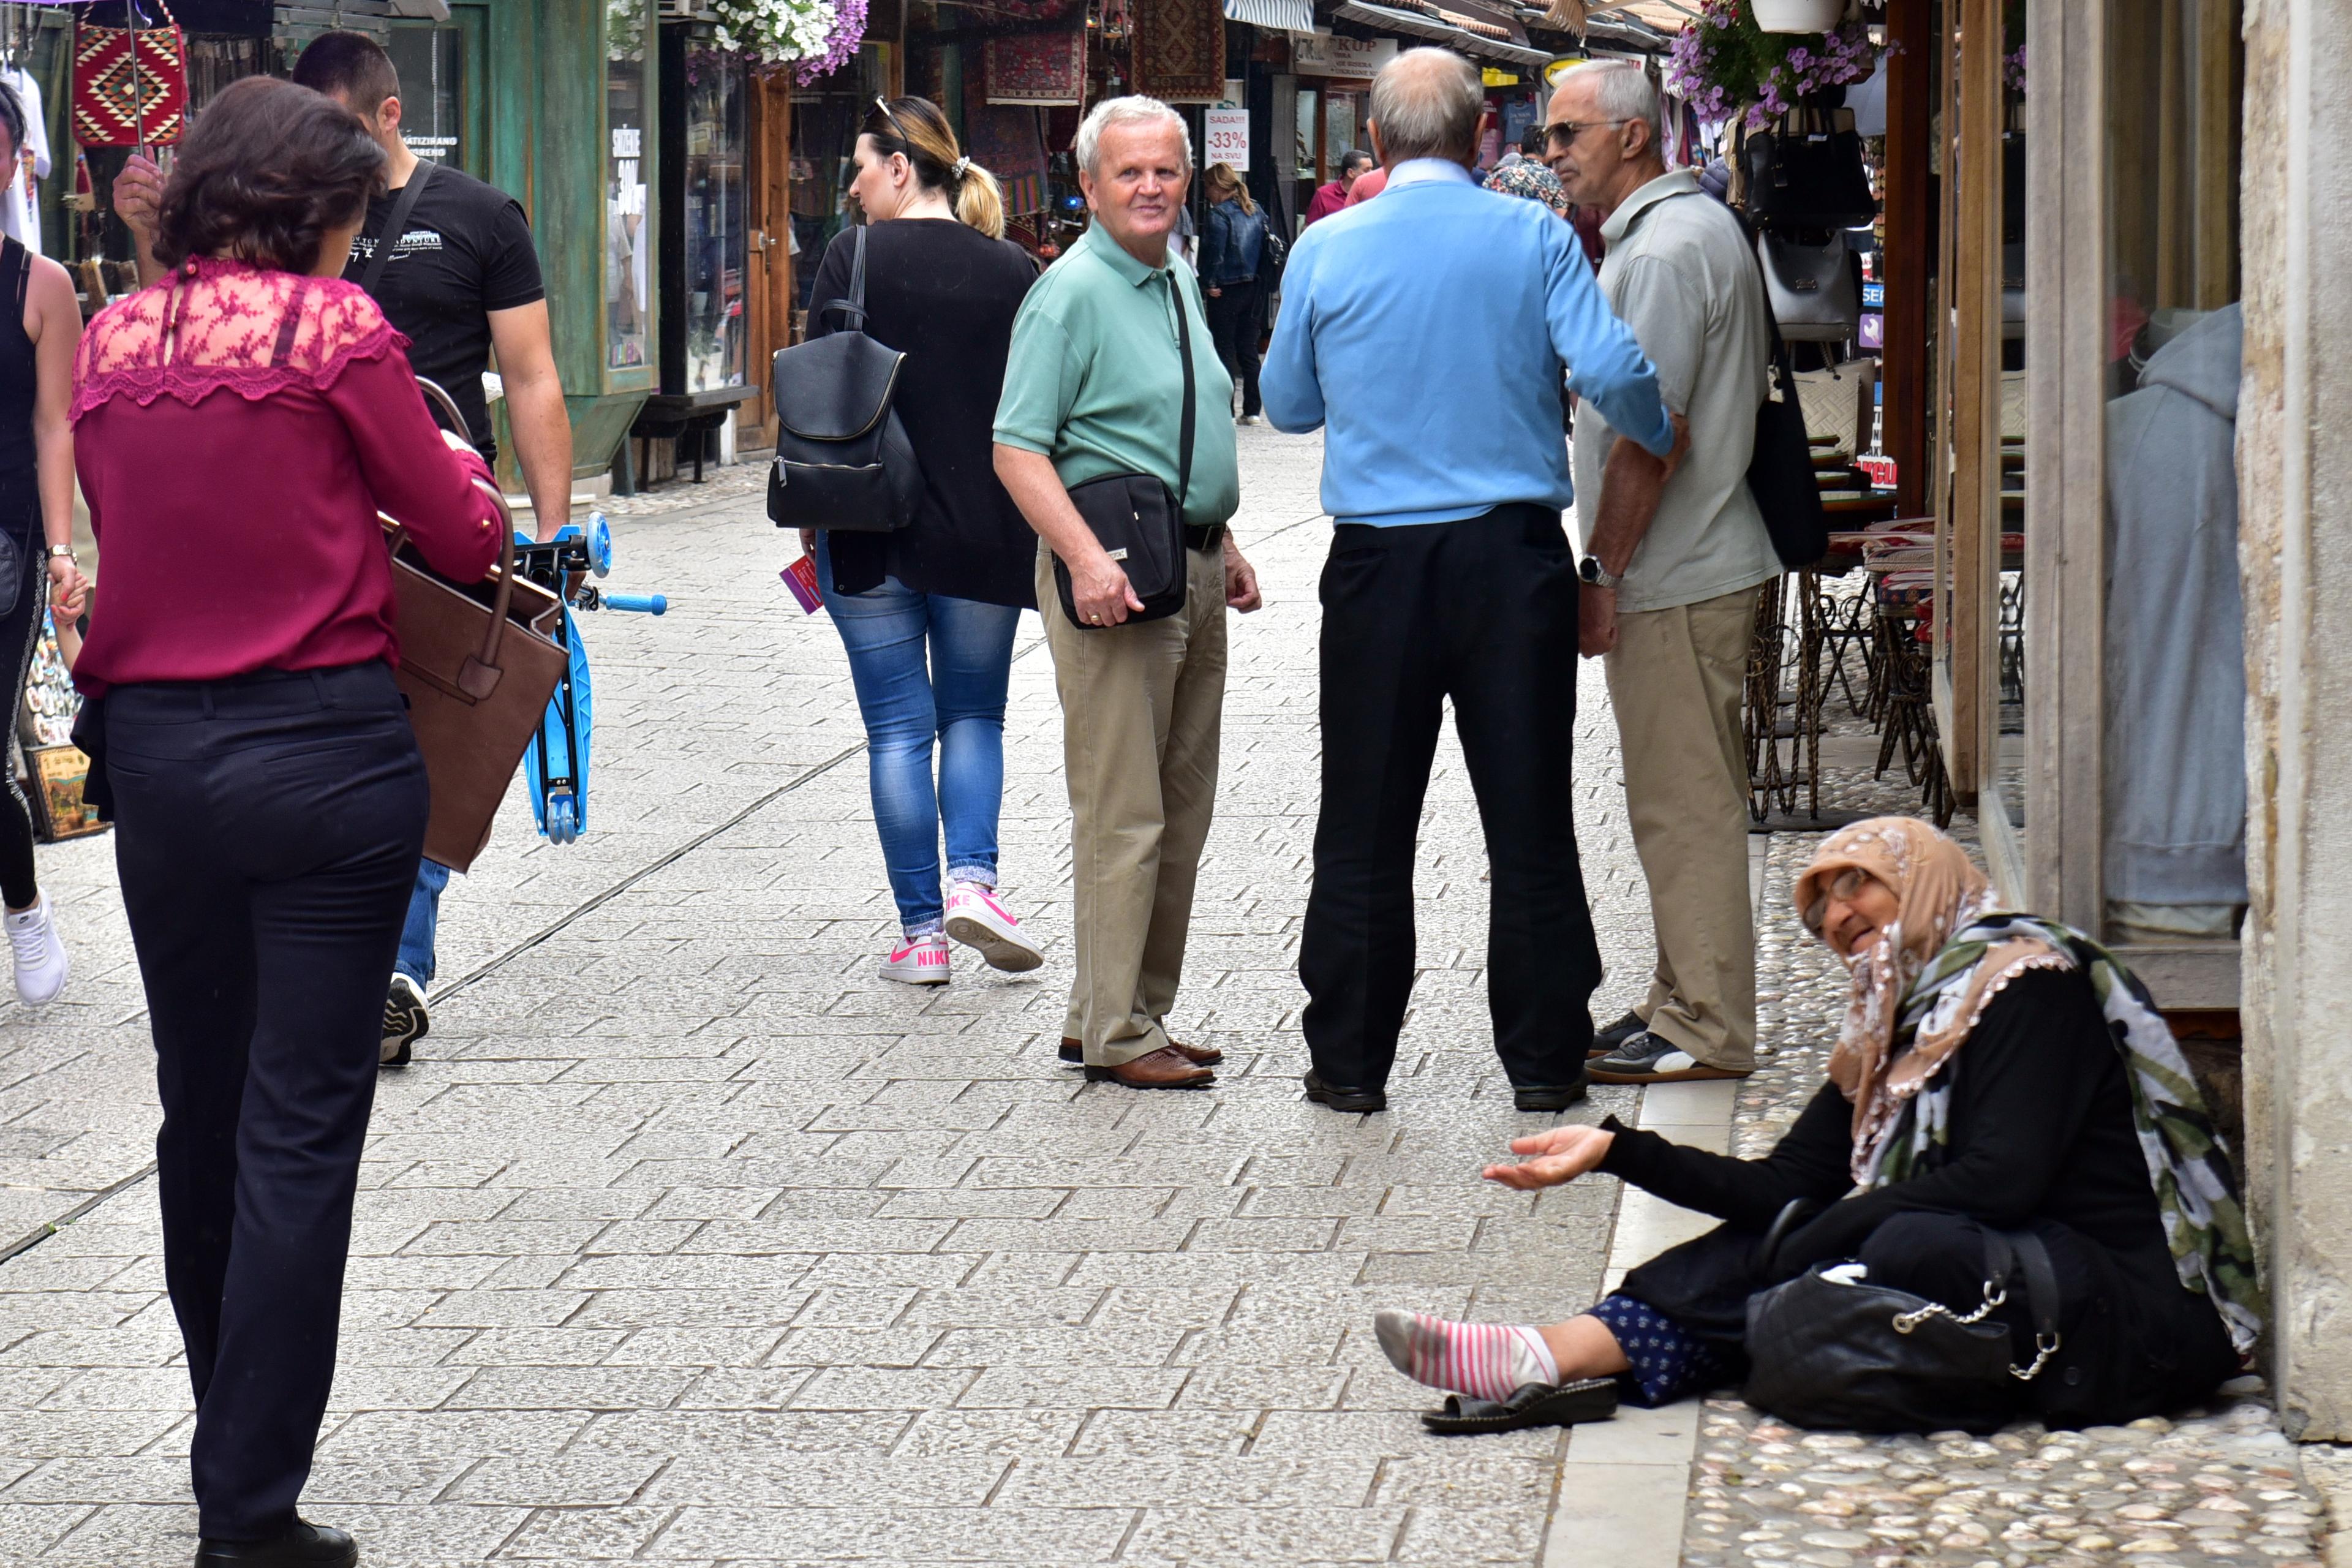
927 612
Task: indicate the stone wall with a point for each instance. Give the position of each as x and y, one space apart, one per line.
2295 554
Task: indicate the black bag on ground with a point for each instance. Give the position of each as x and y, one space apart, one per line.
1860 1357
1780 468
843 460
1139 522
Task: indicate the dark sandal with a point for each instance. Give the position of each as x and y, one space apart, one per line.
1530 1404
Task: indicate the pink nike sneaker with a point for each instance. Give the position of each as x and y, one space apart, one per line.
976 920
918 961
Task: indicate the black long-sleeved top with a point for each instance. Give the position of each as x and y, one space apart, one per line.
2041 1128
945 296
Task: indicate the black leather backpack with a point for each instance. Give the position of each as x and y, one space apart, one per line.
843 460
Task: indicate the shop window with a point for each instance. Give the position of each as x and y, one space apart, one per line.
713 194
628 239
431 60
1308 166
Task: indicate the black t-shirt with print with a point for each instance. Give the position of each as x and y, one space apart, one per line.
466 251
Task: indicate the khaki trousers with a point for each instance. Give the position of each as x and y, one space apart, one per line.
1141 704
1675 679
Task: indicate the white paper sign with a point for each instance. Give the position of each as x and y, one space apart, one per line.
1321 55
1229 138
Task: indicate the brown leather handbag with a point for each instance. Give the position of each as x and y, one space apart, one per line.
478 667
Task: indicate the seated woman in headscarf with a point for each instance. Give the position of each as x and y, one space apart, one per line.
1992 1070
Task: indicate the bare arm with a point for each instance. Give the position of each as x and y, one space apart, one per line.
138 197
525 345
57 323
1630 483
1099 587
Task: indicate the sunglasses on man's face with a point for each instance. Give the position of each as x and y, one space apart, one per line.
1565 133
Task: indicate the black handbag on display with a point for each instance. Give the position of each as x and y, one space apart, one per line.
1139 522
843 460
1799 179
1781 466
1272 258
1825 1351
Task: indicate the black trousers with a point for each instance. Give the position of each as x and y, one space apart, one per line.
20 630
1482 611
267 832
1236 321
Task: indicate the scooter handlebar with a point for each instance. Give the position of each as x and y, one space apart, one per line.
644 603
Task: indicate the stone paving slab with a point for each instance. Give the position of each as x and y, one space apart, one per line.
687 1240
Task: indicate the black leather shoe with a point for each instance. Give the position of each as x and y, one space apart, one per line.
1607 1040
1538 1097
1339 1098
303 1545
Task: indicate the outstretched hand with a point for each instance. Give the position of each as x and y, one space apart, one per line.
1555 1157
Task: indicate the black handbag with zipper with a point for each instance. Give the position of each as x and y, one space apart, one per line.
1137 518
843 459
1800 179
1826 1349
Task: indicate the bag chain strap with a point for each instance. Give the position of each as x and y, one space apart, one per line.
2039 1281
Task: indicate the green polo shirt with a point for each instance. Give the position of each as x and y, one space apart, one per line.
1094 381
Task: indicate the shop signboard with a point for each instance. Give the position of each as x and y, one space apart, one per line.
1320 55
1874 296
1871 331
1229 138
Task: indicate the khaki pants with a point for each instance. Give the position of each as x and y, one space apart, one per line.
1141 709
1674 680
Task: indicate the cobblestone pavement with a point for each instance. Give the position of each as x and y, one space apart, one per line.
688 1239
2219 1485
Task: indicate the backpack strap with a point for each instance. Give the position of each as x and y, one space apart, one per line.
395 225
855 304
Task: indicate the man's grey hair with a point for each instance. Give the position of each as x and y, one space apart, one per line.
1623 90
1426 104
1134 110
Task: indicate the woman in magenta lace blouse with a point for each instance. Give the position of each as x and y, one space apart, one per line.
238 426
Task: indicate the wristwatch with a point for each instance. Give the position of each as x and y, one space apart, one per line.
64 552
1591 570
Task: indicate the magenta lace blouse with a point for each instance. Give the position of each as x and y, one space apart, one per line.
237 431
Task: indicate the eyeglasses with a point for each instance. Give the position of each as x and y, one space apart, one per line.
1568 131
1844 887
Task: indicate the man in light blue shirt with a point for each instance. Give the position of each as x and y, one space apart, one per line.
1429 333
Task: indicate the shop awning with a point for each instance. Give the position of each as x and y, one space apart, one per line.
1422 24
1290 15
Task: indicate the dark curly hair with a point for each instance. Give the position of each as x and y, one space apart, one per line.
267 169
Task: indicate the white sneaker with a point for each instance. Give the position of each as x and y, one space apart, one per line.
976 920
39 956
918 961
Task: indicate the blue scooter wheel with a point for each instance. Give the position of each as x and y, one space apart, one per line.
562 820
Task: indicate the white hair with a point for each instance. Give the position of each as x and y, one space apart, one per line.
1134 110
1621 90
1426 104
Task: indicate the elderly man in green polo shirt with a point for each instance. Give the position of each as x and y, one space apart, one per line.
1095 387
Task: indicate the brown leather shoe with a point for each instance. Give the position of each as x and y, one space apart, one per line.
1167 1068
1073 1052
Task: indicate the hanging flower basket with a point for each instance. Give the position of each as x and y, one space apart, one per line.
811 38
1724 64
1799 16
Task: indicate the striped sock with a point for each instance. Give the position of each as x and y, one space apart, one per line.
1485 1361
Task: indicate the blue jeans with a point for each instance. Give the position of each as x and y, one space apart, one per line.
929 668
416 933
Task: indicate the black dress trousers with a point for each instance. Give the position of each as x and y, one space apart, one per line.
1483 611
267 831
1236 321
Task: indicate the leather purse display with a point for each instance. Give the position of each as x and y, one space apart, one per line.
1801 179
843 459
1137 518
1814 295
129 84
1830 1350
478 667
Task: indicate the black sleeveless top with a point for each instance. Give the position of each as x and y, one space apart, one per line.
19 486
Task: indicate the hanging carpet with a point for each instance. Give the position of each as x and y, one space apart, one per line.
1180 50
1037 70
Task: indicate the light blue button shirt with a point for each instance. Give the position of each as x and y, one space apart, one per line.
1427 332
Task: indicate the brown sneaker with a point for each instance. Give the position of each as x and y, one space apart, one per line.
1073 1052
1167 1068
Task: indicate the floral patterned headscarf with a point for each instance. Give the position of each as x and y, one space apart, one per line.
1531 180
1939 893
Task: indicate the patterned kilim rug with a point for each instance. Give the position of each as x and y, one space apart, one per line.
1006 142
1040 70
1180 50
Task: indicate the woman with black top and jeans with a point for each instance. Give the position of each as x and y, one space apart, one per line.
41 323
927 612
1230 256
1992 1072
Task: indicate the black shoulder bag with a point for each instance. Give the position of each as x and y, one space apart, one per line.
1780 464
843 459
1139 522
1824 1353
